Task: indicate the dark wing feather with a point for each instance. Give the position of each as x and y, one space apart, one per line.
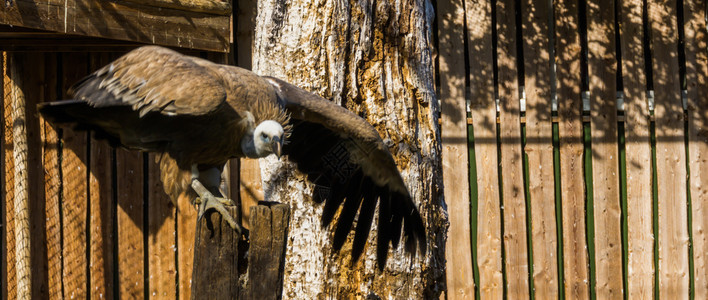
351 168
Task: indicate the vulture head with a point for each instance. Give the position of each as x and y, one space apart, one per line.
268 138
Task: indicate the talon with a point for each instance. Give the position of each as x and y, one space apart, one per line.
207 200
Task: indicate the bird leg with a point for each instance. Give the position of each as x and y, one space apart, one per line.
207 200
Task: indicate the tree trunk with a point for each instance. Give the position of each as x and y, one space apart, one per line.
373 57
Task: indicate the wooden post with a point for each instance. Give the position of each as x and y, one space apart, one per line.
269 229
215 272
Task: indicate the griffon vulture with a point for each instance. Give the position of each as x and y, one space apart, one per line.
196 115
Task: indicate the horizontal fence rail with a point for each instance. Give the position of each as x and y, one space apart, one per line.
586 132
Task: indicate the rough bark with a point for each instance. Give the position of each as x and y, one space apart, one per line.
373 57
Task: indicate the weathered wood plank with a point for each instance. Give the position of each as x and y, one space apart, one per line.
514 202
670 151
52 185
539 146
219 7
122 21
75 190
250 187
640 265
483 112
129 170
215 274
266 255
568 51
34 87
162 240
186 227
102 207
602 70
460 281
696 43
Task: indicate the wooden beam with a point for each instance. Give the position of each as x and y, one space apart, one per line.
219 7
122 21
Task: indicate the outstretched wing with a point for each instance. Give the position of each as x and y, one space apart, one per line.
155 79
349 164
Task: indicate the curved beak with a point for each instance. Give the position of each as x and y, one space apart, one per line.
277 146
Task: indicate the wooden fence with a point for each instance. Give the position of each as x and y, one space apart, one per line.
100 222
586 180
588 177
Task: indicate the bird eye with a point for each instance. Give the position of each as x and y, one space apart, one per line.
264 136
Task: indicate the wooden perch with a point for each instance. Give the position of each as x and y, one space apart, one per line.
269 228
215 272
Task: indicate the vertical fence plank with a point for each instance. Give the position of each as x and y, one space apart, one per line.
130 224
9 165
568 50
186 228
103 266
640 265
483 110
460 282
250 188
52 189
162 241
602 69
514 211
34 75
696 43
670 151
75 191
539 146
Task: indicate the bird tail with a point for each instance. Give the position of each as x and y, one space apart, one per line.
80 116
62 112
